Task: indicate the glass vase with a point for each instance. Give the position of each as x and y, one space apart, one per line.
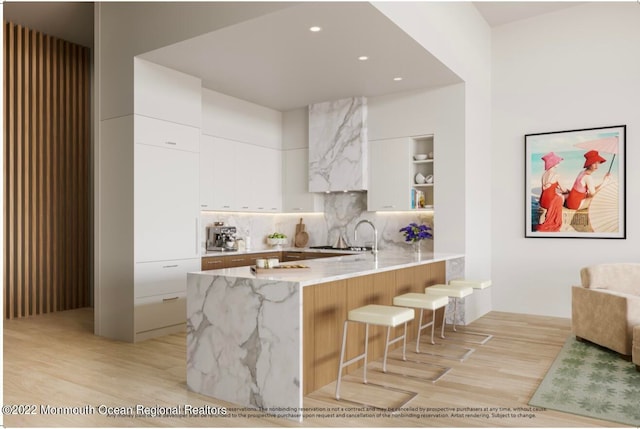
417 248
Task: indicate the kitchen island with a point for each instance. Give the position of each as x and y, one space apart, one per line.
266 340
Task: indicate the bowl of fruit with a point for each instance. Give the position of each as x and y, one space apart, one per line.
276 239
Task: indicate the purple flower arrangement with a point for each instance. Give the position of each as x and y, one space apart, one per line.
414 232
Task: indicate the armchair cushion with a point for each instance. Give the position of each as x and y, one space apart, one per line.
621 277
607 306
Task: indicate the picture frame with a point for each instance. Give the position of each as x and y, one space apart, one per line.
575 183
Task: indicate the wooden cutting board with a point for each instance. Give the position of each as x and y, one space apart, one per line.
280 269
302 237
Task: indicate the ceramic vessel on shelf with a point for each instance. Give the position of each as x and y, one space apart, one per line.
419 178
429 179
420 157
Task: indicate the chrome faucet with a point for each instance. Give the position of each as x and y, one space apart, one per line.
374 251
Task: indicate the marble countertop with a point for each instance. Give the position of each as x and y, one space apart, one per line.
212 253
338 267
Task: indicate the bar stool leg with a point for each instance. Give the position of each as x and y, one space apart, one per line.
366 351
342 351
455 313
401 313
404 343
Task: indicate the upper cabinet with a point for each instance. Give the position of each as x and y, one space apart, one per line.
240 120
240 159
338 145
164 93
165 203
296 196
389 176
401 174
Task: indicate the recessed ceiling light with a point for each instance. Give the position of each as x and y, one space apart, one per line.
315 29
363 58
397 78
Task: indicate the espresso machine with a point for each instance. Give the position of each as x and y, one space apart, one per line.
221 238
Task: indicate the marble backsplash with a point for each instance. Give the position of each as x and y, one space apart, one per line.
342 212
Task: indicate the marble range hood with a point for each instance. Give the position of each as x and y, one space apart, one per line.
338 145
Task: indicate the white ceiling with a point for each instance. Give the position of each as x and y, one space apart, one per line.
504 12
71 21
276 62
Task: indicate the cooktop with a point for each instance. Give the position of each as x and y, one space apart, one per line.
349 249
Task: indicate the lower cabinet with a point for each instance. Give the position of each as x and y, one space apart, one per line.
290 256
160 297
239 260
160 314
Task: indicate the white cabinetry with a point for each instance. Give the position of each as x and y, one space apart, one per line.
166 204
160 296
393 172
296 196
389 176
422 191
163 93
218 169
149 180
239 177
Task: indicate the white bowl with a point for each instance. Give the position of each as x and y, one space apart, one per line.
420 157
419 178
276 241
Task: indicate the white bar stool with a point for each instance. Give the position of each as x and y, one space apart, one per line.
452 291
456 290
476 285
423 302
382 315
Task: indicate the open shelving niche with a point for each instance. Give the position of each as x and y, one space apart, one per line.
422 145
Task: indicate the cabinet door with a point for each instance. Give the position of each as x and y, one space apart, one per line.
165 204
236 261
389 180
166 134
295 183
160 278
167 94
270 188
222 162
207 187
160 311
247 176
213 263
250 259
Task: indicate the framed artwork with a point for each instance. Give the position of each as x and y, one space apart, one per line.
575 183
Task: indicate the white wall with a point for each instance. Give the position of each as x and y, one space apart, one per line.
440 112
457 35
574 68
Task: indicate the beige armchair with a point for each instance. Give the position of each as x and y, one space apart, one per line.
607 305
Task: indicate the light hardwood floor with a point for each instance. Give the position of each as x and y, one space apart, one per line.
56 360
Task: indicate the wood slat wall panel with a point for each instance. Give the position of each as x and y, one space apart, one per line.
46 169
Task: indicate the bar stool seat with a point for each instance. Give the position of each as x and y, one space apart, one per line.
423 302
475 284
457 289
452 291
382 315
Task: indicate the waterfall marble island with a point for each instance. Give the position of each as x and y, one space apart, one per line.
266 340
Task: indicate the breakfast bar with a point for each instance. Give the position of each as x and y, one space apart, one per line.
265 340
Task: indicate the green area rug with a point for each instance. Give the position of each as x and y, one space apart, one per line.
591 381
